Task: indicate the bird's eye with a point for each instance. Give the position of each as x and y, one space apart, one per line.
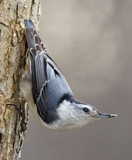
85 109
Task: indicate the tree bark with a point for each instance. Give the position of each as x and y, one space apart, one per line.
13 53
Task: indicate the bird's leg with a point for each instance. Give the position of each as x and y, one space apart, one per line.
16 107
23 123
22 114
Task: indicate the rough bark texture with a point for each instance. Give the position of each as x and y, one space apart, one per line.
13 51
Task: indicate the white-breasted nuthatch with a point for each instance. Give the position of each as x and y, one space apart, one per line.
48 93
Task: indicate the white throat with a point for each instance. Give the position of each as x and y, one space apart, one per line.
70 117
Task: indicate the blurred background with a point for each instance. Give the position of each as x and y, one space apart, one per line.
91 41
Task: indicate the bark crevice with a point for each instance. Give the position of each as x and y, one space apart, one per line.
13 56
4 24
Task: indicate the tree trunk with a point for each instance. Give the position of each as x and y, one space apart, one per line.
13 50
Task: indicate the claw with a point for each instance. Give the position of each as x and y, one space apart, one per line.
23 125
16 107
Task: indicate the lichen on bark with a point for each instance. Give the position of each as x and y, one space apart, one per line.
13 53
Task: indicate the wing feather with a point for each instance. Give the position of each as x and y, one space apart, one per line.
48 83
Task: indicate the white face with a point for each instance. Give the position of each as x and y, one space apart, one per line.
74 116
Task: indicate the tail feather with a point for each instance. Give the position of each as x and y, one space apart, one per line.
33 39
36 47
29 24
30 39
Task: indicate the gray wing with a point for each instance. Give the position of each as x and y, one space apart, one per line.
48 83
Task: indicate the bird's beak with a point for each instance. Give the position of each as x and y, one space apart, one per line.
105 115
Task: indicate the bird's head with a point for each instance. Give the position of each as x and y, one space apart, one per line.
75 114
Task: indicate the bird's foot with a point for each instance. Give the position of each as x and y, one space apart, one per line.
23 124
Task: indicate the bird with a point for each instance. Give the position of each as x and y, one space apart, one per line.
47 92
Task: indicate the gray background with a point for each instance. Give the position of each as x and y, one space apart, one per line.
91 41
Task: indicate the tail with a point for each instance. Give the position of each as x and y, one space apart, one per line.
29 24
35 46
34 42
